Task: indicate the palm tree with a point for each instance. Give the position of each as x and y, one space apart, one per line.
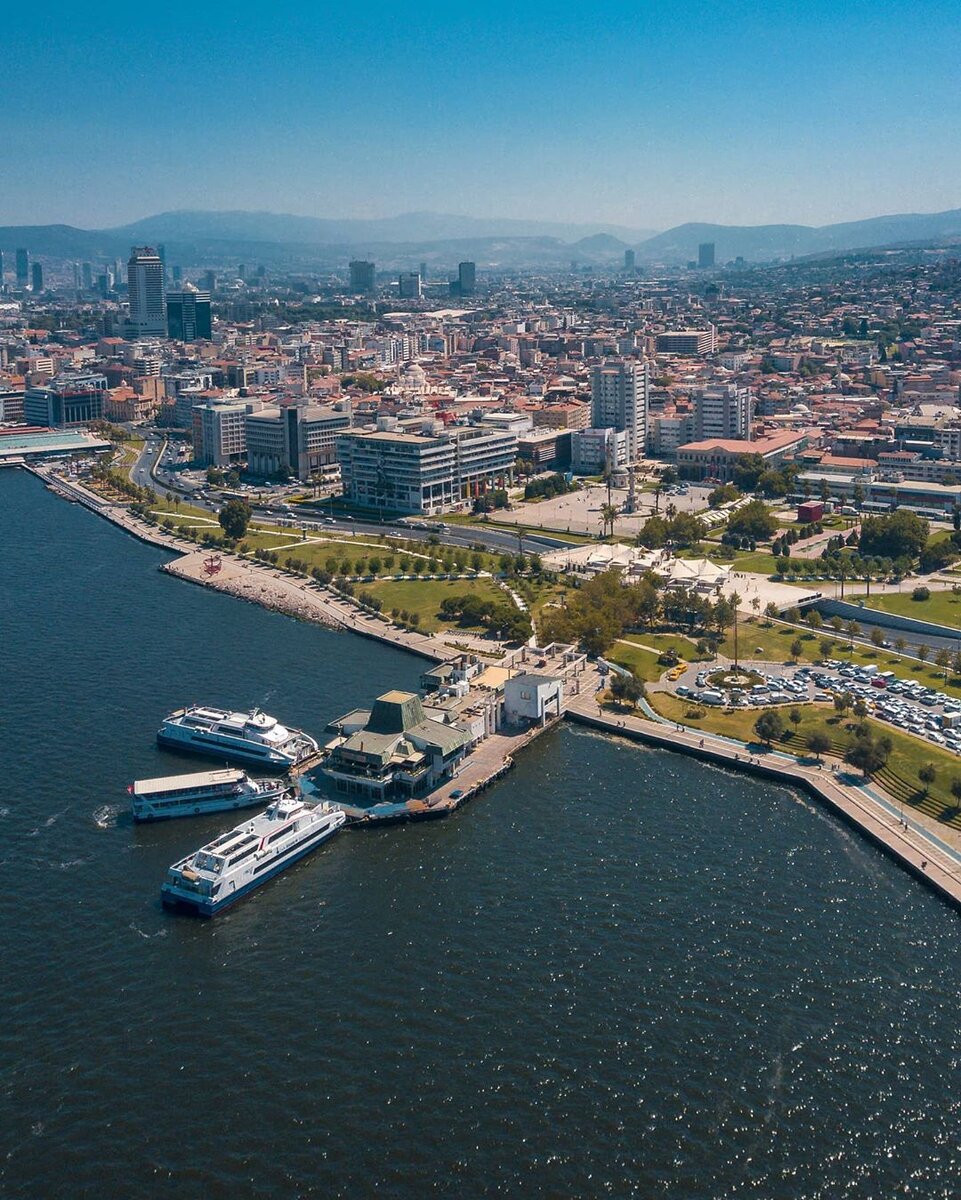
735 601
609 515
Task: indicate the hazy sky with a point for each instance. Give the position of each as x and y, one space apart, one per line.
642 114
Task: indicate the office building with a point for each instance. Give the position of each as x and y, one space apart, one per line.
188 314
362 277
466 278
220 432
210 282
423 272
430 472
66 400
722 412
630 261
87 277
145 287
688 342
705 255
408 283
23 268
36 277
1 270
297 440
594 451
619 396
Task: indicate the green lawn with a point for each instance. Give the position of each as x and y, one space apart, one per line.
424 596
642 662
682 646
900 775
943 607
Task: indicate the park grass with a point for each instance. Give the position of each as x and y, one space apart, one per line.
899 776
942 607
642 662
424 597
682 646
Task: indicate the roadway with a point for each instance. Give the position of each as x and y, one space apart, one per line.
144 473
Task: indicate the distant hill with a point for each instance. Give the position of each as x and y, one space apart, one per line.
193 226
764 243
213 238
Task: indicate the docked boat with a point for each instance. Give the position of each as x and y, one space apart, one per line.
252 737
218 874
200 792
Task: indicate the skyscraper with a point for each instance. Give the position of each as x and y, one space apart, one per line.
408 283
188 314
37 278
362 276
1 269
466 278
705 255
145 286
210 281
619 391
23 268
630 260
87 276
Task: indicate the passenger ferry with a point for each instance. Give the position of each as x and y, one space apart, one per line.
236 736
200 792
235 863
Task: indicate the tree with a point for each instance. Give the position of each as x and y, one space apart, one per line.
770 726
842 702
857 495
927 773
754 520
771 610
877 637
797 646
956 792
814 619
860 710
900 534
234 518
853 629
609 514
819 743
825 645
867 754
626 688
923 651
900 645
943 660
837 624
795 716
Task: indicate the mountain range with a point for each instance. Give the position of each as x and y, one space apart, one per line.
441 240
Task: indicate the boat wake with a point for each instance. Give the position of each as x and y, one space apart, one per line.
106 816
161 933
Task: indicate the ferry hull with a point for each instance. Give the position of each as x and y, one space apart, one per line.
206 906
269 761
199 808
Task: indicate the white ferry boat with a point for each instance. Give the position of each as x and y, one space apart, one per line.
200 792
235 863
237 736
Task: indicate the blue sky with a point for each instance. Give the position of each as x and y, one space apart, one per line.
644 114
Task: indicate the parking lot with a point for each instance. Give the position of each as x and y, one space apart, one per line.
908 705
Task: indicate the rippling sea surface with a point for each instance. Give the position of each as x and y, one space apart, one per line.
617 973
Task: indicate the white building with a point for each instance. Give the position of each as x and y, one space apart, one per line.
430 472
593 451
691 342
220 431
534 699
145 286
722 412
619 397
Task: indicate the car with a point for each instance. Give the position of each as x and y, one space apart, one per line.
456 793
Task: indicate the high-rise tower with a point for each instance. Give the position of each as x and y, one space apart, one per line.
145 285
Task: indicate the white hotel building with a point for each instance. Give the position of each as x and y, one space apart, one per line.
431 472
